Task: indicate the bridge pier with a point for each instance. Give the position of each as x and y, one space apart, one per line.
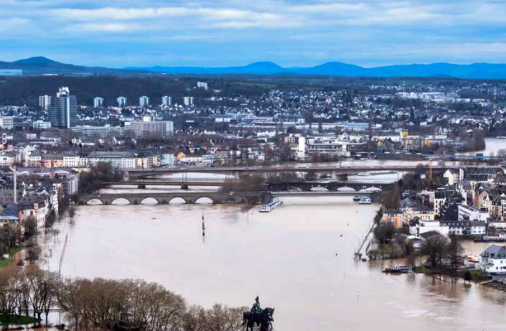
334 174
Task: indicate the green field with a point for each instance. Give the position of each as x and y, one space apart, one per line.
8 261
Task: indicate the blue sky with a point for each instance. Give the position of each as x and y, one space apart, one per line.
118 33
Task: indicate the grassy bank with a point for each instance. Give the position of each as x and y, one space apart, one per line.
13 320
477 275
12 253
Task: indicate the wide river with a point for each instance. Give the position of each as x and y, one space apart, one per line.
298 259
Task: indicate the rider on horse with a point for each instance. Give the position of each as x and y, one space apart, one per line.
256 309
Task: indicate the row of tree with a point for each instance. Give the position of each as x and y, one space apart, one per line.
92 180
101 304
440 251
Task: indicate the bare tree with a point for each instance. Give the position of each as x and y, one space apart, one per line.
33 251
30 227
9 294
221 318
195 319
435 247
455 251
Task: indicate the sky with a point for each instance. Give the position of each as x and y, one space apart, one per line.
215 33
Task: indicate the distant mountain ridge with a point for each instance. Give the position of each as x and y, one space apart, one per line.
446 70
41 65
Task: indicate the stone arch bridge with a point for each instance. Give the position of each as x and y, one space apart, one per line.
188 197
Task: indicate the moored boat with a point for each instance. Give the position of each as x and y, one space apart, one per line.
365 201
398 269
271 206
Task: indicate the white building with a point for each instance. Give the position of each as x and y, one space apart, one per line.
452 176
327 145
147 129
34 159
35 206
166 101
144 101
167 160
301 151
70 160
98 102
120 160
122 101
45 102
467 213
466 228
6 122
439 202
191 159
422 227
7 158
202 85
41 125
83 161
493 260
188 101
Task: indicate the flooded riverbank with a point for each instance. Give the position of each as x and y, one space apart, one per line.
298 259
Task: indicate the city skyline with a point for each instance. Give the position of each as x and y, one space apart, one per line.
230 33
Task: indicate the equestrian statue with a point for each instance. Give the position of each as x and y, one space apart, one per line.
258 317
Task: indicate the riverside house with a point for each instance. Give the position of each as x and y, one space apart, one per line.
493 260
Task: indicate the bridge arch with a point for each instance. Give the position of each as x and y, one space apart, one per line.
94 202
346 189
204 201
319 189
150 201
122 202
371 189
177 201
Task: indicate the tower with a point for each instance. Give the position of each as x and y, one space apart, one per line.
63 110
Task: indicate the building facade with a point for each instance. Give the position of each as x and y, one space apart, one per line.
159 129
98 102
63 110
166 101
122 101
144 101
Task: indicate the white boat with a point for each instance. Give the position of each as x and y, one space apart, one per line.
271 206
365 201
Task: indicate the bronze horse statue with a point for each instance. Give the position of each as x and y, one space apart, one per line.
264 319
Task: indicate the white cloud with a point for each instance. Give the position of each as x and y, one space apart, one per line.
337 29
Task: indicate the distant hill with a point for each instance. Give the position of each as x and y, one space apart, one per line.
258 68
436 70
42 65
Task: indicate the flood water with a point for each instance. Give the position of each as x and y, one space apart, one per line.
297 259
